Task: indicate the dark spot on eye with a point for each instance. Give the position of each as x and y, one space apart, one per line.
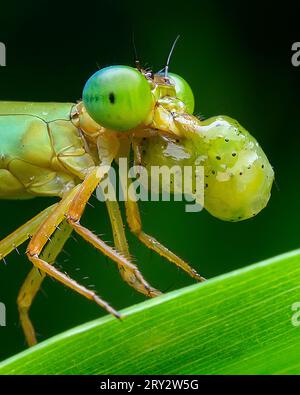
177 141
249 167
112 98
233 154
218 157
239 217
206 185
241 173
226 140
213 172
262 166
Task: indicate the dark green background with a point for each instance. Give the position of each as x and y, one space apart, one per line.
238 62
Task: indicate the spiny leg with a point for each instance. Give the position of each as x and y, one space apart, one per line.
40 239
134 222
135 225
23 233
73 215
72 207
35 278
122 246
26 295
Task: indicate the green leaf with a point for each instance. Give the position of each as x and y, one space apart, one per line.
239 323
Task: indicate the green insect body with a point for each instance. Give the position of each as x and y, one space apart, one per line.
65 150
41 152
238 175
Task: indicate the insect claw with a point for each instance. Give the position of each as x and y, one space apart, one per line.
114 312
119 316
198 277
106 306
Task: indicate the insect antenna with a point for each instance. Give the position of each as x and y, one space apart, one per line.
169 56
136 59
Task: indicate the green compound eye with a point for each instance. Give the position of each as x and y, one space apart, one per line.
118 97
183 92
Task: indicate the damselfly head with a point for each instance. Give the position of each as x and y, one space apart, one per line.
118 97
121 97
